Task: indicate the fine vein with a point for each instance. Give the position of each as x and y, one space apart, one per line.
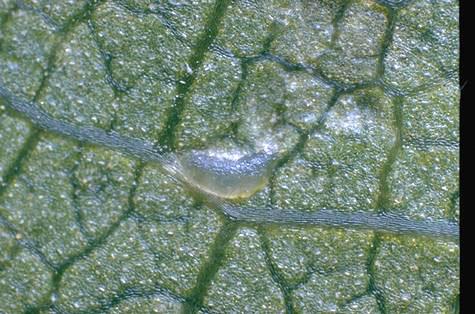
147 152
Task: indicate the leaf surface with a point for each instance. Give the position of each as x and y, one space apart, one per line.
361 98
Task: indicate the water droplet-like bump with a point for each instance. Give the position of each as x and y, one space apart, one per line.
226 177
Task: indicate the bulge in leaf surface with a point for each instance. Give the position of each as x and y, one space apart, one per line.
223 176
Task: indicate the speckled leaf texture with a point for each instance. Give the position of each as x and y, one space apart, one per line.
361 96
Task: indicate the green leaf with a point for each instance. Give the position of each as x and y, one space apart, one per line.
360 98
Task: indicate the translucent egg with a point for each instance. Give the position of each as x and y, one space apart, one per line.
226 178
